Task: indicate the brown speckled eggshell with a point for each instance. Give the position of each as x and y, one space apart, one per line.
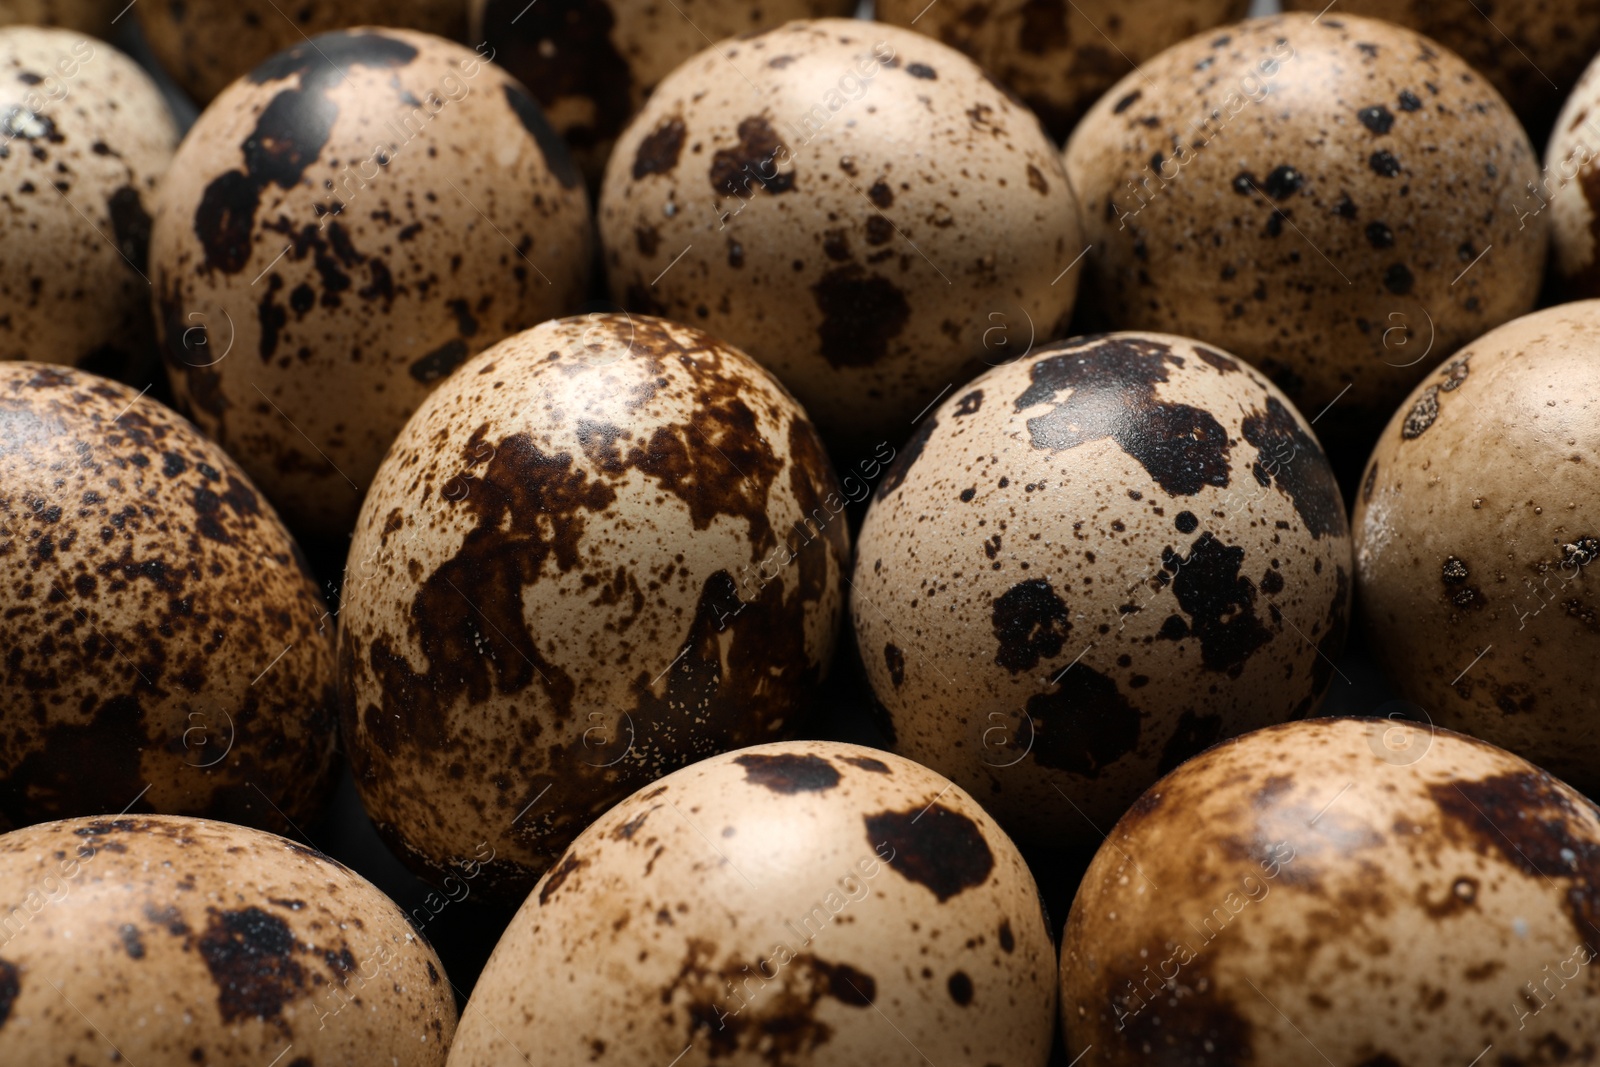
1532 50
1476 527
342 229
1353 892
1090 564
799 903
1325 233
592 63
867 258
205 44
160 940
603 549
90 16
1060 57
84 139
1570 188
165 647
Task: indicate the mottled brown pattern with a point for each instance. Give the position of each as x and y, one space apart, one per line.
160 627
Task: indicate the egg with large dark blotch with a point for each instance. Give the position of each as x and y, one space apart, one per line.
1088 565
604 548
166 648
342 229
807 902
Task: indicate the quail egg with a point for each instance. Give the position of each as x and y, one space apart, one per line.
90 16
84 139
870 224
800 903
1475 528
1090 564
165 647
1340 891
604 548
342 229
1570 188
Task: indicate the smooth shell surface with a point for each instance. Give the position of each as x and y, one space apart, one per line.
164 940
165 649
1532 50
1058 56
605 548
1570 188
1092 563
84 138
862 223
591 64
1320 196
205 44
1344 892
342 229
1476 525
800 903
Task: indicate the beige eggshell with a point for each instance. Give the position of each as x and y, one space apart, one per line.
1570 189
85 137
1338 233
343 228
863 226
1532 50
801 903
601 550
158 940
1340 891
166 648
91 16
1088 565
1475 528
205 44
1060 57
591 64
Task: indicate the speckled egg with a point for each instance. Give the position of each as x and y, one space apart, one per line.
1475 528
158 940
1060 57
605 548
84 139
863 223
1570 188
1323 196
592 63
1353 892
165 647
1090 564
349 223
800 903
1532 50
205 44
92 16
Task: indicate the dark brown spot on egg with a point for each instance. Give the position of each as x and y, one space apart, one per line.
752 160
1082 727
861 314
1127 101
1422 414
131 944
440 363
10 989
1112 394
1220 603
969 404
790 772
921 70
1376 118
1409 101
1398 279
1383 164
249 953
1221 363
933 846
895 660
867 763
130 223
1030 623
1293 460
881 195
658 151
569 865
960 986
1008 941
551 146
564 52
1379 235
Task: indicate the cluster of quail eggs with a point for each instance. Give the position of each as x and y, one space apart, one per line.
982 532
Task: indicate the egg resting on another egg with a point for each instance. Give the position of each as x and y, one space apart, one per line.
205 44
604 548
84 138
168 940
1356 892
1532 50
591 64
1476 525
872 225
342 229
1090 564
1060 57
165 647
1338 233
803 903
